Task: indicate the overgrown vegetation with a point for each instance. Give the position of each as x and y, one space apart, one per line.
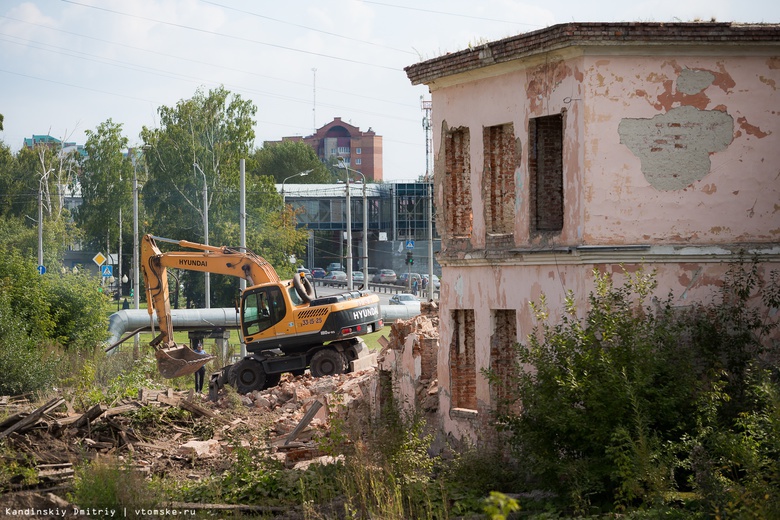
639 401
633 407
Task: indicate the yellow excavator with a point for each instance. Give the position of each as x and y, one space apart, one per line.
285 326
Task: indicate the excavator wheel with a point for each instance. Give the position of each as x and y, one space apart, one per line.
327 362
248 375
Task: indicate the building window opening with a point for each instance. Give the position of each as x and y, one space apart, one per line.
499 182
463 364
545 164
457 183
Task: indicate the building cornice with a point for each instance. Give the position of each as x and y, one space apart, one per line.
588 34
629 254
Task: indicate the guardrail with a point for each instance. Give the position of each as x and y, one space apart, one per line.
376 287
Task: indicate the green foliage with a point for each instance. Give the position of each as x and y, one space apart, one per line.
498 506
108 484
106 189
288 158
611 394
17 469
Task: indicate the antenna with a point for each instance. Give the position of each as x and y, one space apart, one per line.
426 105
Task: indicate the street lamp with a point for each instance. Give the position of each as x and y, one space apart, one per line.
205 230
343 164
299 174
136 280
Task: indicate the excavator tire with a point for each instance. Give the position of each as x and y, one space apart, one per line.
304 287
248 375
327 362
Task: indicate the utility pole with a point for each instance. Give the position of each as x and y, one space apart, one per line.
427 106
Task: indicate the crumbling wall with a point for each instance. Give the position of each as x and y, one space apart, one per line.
409 360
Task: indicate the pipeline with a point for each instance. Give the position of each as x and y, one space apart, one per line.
131 320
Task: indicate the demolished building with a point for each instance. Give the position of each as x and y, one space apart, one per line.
583 146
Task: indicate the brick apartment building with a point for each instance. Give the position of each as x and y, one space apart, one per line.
587 146
362 151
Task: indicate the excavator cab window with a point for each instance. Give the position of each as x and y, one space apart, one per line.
263 308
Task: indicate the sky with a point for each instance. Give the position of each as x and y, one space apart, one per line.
66 66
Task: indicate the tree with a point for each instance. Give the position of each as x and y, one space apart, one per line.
105 185
281 160
214 131
211 130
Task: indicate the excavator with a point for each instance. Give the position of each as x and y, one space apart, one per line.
285 326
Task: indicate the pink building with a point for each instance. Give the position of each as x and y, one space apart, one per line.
594 145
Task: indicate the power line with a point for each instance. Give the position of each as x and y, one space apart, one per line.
233 37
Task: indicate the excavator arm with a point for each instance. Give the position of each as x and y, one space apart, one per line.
178 360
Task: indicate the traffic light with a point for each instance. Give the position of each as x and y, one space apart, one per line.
409 259
132 293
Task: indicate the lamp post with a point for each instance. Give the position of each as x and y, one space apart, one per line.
299 174
136 279
205 230
342 164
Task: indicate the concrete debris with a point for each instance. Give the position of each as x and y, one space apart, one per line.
200 449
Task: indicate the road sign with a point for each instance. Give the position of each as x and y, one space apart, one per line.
410 244
107 270
41 269
99 259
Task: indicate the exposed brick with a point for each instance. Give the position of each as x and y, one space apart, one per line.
498 184
545 164
463 364
457 184
503 358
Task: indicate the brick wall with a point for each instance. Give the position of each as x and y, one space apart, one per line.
457 183
463 366
545 164
503 358
499 179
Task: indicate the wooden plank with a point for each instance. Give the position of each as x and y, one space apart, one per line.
315 407
197 409
90 415
33 418
121 409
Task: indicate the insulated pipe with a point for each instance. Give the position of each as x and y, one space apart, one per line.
124 321
129 320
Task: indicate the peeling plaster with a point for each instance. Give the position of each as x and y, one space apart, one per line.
674 148
694 81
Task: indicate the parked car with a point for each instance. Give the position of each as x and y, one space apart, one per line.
436 281
404 299
305 271
404 279
385 276
335 266
335 276
357 276
318 272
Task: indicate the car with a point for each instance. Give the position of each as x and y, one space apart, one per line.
304 271
404 279
436 281
318 272
385 276
405 299
357 276
335 276
335 266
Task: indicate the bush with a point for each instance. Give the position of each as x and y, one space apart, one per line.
611 395
105 484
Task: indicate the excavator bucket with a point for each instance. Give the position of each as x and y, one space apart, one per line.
179 361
